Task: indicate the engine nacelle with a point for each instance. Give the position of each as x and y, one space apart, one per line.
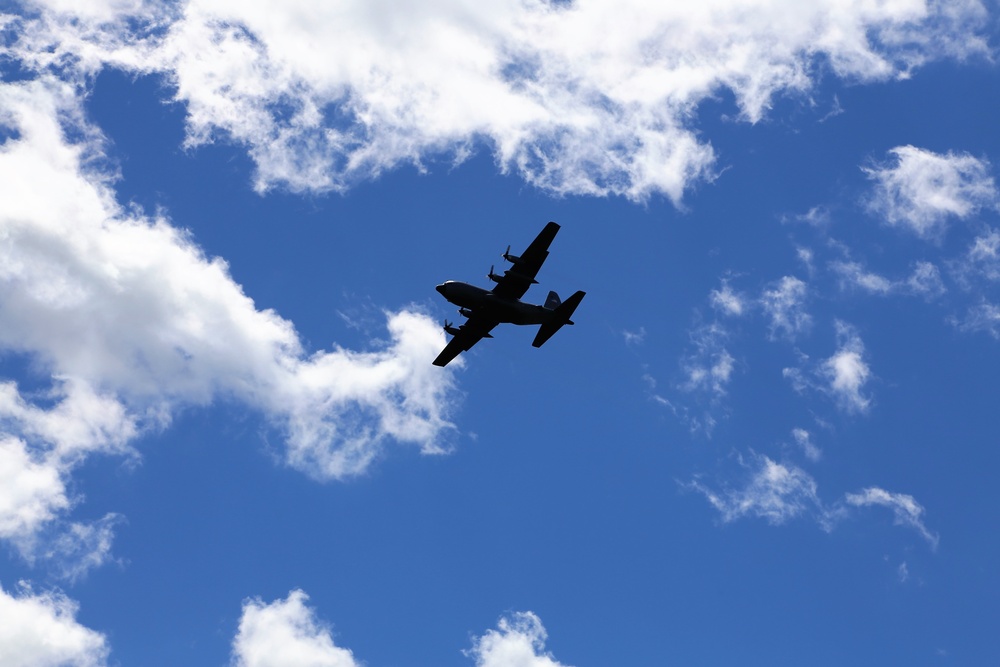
494 277
452 330
465 312
513 259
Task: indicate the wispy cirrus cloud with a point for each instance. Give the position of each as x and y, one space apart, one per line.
905 509
803 439
780 492
921 190
925 280
981 317
728 301
581 98
773 491
784 303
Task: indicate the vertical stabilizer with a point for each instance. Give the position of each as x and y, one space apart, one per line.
552 301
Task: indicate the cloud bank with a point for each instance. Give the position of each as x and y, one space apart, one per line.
129 321
585 97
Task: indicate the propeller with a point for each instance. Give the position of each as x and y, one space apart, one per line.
492 276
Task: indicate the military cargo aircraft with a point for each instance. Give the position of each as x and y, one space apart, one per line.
487 308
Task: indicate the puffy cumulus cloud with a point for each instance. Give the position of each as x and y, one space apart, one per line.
133 321
846 371
784 303
32 492
774 491
921 190
286 633
586 97
40 630
518 641
38 450
905 509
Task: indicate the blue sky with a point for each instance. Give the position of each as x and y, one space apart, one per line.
769 439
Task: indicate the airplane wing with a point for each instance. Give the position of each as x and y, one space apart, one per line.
474 330
517 279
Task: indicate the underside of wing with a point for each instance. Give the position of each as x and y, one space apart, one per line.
470 333
517 279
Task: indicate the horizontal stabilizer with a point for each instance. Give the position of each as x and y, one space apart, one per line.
560 316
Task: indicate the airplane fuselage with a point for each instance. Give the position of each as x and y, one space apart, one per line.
511 311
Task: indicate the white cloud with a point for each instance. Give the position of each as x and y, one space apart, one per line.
518 641
984 316
805 255
710 367
132 321
981 260
984 255
634 337
905 509
784 303
852 274
584 97
780 492
924 281
286 633
921 190
847 372
804 440
728 301
817 216
40 630
842 376
77 548
38 450
31 491
774 492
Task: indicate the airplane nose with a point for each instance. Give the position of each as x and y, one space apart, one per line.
440 289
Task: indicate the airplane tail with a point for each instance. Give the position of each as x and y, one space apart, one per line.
552 301
560 316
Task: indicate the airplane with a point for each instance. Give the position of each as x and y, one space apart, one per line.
487 308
